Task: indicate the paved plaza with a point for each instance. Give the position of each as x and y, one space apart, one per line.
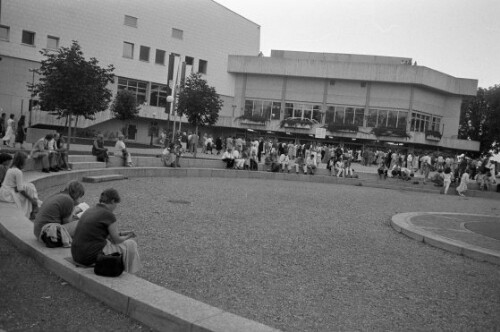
306 256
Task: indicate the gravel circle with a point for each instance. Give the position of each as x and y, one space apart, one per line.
302 256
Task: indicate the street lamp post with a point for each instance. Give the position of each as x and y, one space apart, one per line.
32 90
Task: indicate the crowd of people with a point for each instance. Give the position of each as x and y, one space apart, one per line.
62 221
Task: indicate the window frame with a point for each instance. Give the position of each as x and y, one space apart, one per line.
156 57
7 30
132 50
202 66
33 34
57 39
178 34
143 48
130 21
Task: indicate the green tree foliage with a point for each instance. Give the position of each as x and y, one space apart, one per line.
69 84
199 102
125 108
480 118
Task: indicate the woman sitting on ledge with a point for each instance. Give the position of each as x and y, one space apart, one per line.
97 232
99 150
15 190
121 150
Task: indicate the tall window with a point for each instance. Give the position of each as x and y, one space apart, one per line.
202 66
330 114
128 50
4 32
52 42
420 122
28 38
436 124
288 110
275 112
137 87
130 21
359 116
158 95
160 57
144 53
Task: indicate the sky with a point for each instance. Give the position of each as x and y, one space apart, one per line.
458 37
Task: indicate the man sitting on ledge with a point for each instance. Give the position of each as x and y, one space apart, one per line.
121 151
228 158
40 151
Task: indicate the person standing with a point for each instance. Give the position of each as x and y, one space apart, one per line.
193 144
462 187
21 131
2 125
9 132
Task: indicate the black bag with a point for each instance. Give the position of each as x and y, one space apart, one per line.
50 243
109 265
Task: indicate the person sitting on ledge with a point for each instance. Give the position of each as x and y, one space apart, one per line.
382 171
97 232
228 158
311 164
61 148
99 150
5 160
40 151
15 190
56 213
121 151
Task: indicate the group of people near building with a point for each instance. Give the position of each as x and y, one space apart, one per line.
13 132
60 222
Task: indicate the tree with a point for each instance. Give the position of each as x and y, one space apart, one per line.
480 118
125 108
199 102
70 85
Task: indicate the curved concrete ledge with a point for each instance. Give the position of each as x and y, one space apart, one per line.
146 302
402 223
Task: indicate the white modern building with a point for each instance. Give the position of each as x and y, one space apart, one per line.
354 99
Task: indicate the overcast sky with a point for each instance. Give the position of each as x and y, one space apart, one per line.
458 37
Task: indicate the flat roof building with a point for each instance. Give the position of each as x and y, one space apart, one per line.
302 95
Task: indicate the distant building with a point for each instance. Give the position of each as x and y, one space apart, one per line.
347 98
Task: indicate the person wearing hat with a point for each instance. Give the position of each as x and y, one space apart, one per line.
5 160
99 150
121 150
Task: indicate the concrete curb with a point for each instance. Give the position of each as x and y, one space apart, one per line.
402 223
155 306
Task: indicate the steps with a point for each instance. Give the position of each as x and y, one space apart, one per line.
103 178
86 165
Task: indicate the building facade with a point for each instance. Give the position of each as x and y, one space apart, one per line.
145 41
357 99
335 98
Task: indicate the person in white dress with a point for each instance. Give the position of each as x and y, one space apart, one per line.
10 135
15 190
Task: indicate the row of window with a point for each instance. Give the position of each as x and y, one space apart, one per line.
133 22
28 38
420 122
145 51
157 93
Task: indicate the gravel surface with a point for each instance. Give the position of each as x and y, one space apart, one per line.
302 256
33 299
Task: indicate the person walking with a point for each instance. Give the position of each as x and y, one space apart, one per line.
21 131
8 139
